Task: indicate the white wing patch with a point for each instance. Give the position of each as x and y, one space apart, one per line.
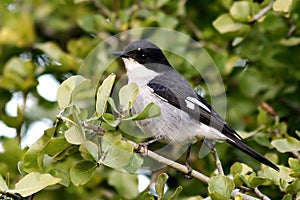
191 101
190 104
160 97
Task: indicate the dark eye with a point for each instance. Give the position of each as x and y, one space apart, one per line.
140 53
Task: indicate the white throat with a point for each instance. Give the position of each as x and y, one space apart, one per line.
137 72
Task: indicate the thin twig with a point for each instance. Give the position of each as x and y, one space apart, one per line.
198 33
168 162
262 12
296 154
218 161
260 195
256 191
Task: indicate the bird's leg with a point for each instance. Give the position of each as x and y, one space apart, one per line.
144 145
218 162
189 168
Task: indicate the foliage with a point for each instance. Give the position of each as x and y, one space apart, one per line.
84 156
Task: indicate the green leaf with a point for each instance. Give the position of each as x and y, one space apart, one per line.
89 151
291 41
112 104
151 110
134 163
298 133
217 196
34 182
294 164
33 159
126 184
15 33
288 144
103 94
82 172
3 186
255 181
160 185
241 10
225 24
116 153
63 175
56 146
283 6
288 197
275 176
110 119
220 186
263 118
75 135
294 187
51 49
21 168
147 196
127 95
18 75
68 90
240 168
177 191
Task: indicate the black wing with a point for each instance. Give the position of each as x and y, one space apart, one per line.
204 114
177 94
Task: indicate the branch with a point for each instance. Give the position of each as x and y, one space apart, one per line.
296 154
260 195
179 167
168 162
218 161
262 12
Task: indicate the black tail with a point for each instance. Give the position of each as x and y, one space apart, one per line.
251 152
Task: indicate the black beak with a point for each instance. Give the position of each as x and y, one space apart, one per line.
119 53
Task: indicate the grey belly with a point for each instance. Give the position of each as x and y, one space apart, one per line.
174 124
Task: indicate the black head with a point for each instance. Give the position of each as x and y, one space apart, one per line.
144 52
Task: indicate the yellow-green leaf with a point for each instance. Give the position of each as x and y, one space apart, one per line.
240 10
288 144
34 182
68 90
103 94
127 95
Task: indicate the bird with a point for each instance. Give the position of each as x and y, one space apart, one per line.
185 115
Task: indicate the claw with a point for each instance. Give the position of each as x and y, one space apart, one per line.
143 147
190 169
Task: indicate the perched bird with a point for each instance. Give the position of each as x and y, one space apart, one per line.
185 115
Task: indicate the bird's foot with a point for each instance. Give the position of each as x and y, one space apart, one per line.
190 169
143 147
